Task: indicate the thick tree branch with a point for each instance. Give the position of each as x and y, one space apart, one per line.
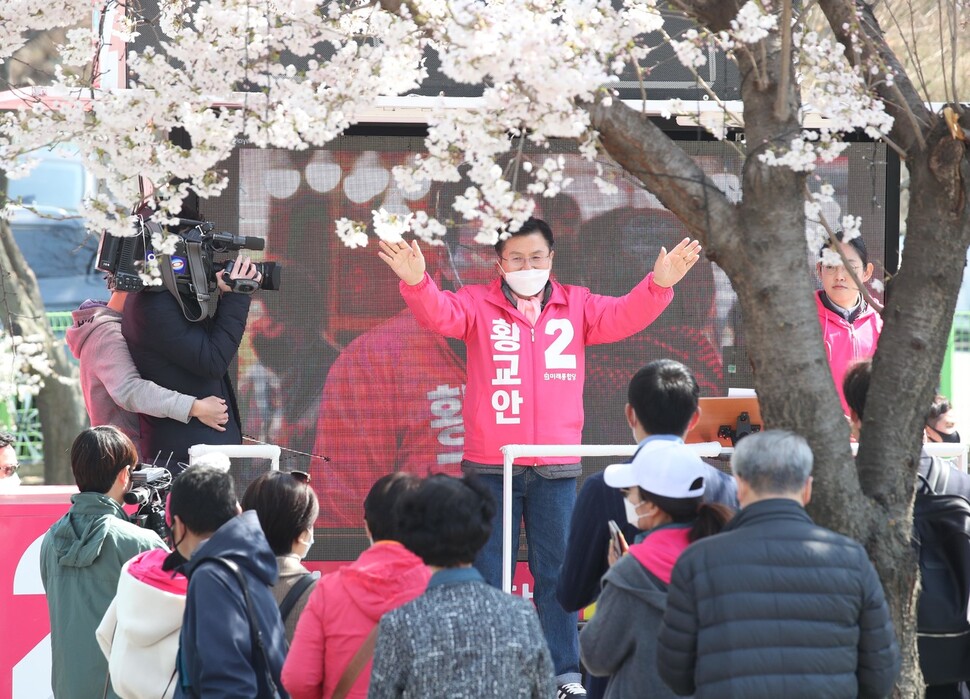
784 63
645 151
903 102
716 15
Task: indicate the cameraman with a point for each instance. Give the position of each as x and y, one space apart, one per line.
114 392
188 357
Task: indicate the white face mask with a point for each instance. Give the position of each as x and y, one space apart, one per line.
9 483
527 282
308 543
631 513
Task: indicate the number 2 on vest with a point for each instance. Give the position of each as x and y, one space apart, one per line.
555 359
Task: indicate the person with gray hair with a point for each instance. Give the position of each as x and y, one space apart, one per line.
776 464
776 605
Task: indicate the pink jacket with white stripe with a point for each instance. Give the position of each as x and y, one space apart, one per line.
525 384
847 342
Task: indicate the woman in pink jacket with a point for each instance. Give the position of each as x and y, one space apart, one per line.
347 604
850 326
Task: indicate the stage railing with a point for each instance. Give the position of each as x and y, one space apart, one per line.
512 452
239 451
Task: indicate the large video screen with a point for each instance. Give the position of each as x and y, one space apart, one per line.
335 370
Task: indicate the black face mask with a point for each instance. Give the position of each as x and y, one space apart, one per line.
952 438
174 560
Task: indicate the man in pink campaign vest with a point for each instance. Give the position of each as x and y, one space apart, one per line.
526 336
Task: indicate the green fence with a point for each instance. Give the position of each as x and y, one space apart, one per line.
959 342
20 416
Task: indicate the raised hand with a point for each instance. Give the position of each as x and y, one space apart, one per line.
671 267
407 261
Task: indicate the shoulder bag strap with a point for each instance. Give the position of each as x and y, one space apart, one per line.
296 592
254 630
356 665
208 302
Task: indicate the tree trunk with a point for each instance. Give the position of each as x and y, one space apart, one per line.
59 401
760 244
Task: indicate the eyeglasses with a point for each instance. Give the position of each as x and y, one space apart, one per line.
9 469
517 262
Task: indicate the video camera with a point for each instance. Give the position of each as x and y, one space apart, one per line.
149 486
191 271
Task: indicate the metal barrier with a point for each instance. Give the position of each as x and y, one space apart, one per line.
957 453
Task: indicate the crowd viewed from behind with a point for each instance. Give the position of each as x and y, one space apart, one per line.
699 604
692 597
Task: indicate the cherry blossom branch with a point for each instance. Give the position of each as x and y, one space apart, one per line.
846 18
833 244
643 149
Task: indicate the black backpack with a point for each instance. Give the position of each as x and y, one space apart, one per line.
941 535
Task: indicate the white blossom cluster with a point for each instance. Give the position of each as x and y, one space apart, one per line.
851 227
353 234
22 18
220 75
839 91
752 23
23 365
805 150
691 49
817 216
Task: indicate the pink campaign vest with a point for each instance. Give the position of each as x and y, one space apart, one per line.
847 342
525 383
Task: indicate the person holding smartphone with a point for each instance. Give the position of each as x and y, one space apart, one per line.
618 544
662 406
663 490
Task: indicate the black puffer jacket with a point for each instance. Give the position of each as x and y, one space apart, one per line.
191 358
776 606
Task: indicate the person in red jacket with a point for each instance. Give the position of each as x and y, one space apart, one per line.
850 326
525 337
346 605
422 434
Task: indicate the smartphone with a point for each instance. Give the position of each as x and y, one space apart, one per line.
617 535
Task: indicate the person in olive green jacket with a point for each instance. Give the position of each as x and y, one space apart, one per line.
81 559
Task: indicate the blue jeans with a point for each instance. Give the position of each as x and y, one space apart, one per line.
547 505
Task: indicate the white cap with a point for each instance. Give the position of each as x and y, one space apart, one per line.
665 468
